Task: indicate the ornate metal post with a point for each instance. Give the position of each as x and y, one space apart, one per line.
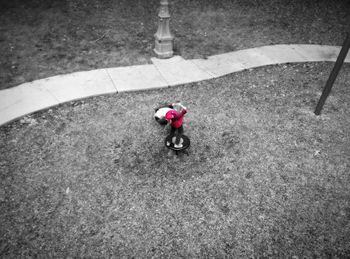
163 37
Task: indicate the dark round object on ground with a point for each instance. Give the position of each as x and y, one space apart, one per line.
186 143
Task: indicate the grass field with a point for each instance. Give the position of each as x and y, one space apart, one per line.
265 177
42 38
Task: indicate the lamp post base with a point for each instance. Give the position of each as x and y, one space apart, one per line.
163 37
164 51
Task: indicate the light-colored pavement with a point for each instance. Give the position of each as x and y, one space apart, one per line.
44 93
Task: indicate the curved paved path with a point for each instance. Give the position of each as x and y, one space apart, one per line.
44 93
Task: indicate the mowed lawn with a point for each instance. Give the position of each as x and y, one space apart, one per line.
264 177
42 38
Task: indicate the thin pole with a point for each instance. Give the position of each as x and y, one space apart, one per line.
338 64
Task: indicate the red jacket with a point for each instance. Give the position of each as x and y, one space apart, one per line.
175 117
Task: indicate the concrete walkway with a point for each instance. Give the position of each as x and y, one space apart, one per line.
44 93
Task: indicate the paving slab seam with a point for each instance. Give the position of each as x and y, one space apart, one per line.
42 94
208 72
112 80
168 84
177 70
135 78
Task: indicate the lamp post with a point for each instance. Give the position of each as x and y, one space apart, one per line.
163 37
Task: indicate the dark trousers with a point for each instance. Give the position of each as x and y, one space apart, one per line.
176 132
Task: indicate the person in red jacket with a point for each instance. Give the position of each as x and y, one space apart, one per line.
176 118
